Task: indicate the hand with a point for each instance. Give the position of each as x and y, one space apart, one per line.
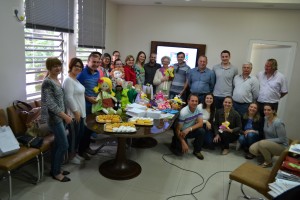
227 129
92 100
77 116
208 125
68 119
217 138
183 133
184 147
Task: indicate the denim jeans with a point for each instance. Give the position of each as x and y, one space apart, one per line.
241 108
247 140
208 138
76 130
60 147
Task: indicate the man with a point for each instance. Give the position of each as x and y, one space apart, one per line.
189 125
181 74
150 69
89 79
201 79
273 85
246 89
225 73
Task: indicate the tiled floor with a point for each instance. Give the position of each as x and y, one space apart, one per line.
157 181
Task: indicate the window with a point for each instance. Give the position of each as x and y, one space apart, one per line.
39 45
83 53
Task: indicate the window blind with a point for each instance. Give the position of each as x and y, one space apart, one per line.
91 23
52 15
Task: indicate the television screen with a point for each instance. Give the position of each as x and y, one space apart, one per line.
192 51
190 54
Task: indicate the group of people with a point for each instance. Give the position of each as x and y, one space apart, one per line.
226 97
234 108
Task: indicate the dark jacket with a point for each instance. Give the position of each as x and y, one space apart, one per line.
233 118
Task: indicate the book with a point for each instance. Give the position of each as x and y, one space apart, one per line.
295 148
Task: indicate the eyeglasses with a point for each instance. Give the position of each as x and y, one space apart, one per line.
78 66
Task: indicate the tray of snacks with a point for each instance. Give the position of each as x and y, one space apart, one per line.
120 128
108 119
141 121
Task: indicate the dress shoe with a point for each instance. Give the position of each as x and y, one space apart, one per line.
198 155
266 164
225 151
64 179
91 151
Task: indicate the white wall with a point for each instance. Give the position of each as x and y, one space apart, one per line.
12 54
219 29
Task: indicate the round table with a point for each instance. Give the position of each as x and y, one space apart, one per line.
121 168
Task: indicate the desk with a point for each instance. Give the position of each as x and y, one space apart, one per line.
121 168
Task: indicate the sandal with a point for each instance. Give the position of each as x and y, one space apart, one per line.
65 173
266 165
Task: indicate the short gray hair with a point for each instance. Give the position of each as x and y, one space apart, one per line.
248 63
165 57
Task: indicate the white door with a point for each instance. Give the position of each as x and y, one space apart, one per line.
284 52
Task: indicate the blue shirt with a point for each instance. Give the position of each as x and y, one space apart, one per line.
201 82
89 81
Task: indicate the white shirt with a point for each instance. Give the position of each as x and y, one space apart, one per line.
271 89
74 97
245 90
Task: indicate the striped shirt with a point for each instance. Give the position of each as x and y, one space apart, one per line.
188 118
180 77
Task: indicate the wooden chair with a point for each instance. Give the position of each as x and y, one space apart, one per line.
16 160
255 176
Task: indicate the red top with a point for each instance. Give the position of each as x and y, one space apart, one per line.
130 74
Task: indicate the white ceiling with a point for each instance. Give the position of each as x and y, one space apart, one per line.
271 4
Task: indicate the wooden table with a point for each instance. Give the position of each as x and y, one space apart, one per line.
121 168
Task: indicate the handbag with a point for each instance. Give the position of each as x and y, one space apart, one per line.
31 141
31 116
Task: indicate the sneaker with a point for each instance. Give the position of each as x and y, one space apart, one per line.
85 156
225 151
79 157
175 151
76 161
249 156
199 155
91 151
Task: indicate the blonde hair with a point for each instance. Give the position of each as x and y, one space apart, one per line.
104 80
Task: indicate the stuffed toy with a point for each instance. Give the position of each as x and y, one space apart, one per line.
122 96
117 76
225 125
105 98
176 103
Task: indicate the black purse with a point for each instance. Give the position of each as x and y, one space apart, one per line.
30 141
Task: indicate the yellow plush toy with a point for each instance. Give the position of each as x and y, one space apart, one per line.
225 125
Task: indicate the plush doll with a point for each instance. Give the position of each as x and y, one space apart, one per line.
225 125
122 96
117 76
105 97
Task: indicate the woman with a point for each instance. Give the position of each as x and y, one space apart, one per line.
275 141
75 104
53 108
224 133
209 111
139 67
252 129
161 80
105 67
129 70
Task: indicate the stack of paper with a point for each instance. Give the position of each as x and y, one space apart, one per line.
135 112
295 148
284 181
